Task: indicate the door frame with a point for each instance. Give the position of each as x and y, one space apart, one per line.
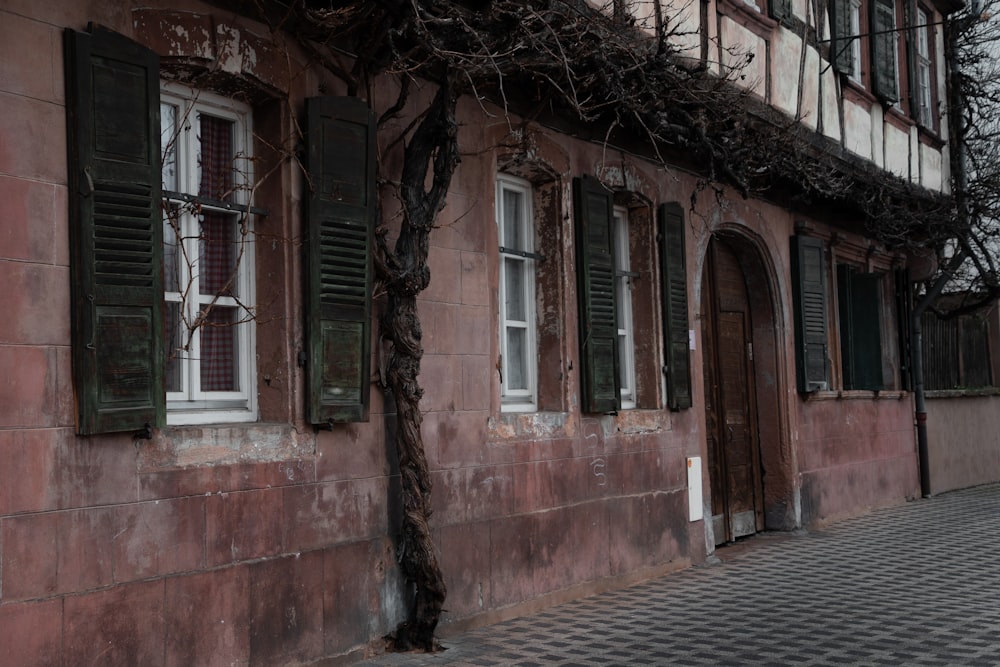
769 334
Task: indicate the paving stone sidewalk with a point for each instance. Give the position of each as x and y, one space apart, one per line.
917 584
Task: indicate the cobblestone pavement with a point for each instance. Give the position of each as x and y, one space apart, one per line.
917 584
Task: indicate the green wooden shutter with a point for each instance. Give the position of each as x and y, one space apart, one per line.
859 298
904 315
912 62
884 53
867 288
781 9
673 275
113 128
595 286
842 54
340 218
809 294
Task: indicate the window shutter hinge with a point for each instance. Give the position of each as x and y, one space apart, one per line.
301 359
522 253
90 183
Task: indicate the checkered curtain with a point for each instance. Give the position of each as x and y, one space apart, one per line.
217 266
217 271
218 347
216 160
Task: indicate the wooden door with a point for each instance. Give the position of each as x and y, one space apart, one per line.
730 406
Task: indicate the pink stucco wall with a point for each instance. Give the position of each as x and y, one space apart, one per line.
855 454
272 543
963 441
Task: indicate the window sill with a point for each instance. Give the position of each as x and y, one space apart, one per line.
857 395
634 421
899 120
518 408
855 92
519 425
222 444
929 137
753 19
209 417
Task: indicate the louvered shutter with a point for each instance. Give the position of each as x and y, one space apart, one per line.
596 293
859 300
673 274
885 85
781 9
809 293
112 98
904 315
912 36
842 55
340 220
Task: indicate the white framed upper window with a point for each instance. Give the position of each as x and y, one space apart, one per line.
924 111
855 17
623 287
208 257
518 355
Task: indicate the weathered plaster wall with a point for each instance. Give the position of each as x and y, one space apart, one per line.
858 131
855 454
897 151
272 543
742 51
963 440
260 544
540 504
786 48
934 172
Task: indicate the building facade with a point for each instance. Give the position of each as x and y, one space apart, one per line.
622 369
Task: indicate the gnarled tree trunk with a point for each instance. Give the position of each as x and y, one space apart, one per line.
405 273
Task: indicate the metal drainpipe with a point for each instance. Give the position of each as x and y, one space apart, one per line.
917 363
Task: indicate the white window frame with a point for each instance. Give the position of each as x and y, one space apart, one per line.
191 405
623 289
521 399
924 95
855 74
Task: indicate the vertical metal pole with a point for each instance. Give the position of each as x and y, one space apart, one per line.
917 363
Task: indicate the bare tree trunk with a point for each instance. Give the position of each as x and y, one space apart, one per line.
405 274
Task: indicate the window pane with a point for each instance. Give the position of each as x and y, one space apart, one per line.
623 286
624 370
219 347
922 28
856 43
513 202
514 289
171 248
174 337
517 376
925 93
215 157
168 145
217 257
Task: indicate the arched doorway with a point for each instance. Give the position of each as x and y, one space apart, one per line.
741 394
